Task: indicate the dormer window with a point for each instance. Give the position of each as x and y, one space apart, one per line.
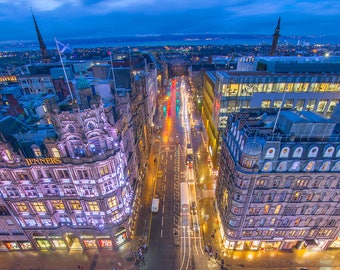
270 153
36 151
298 152
313 151
284 152
329 151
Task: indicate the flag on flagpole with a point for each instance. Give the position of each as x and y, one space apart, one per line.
63 47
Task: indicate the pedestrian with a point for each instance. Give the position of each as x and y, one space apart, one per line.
216 256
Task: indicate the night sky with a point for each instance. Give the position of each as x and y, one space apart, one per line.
67 19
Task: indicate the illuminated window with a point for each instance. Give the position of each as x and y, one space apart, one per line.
321 106
325 166
265 104
6 155
311 105
267 166
36 150
284 152
116 216
75 205
277 209
22 207
272 221
39 207
112 202
298 152
266 209
104 170
270 153
296 197
55 152
310 166
297 221
93 206
58 205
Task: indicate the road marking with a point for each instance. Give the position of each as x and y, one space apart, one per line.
161 233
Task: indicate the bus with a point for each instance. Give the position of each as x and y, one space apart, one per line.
185 206
155 205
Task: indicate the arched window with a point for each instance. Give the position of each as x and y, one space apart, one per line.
6 155
277 209
298 152
282 166
336 167
267 167
329 151
338 152
325 166
36 150
310 166
270 153
284 152
313 151
55 152
295 167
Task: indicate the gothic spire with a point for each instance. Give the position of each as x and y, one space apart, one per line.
276 36
42 45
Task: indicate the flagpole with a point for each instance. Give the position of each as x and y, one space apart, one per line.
278 114
113 74
62 64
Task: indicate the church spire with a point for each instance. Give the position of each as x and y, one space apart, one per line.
276 36
42 45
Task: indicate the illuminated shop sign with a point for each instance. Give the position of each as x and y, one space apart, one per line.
8 79
42 161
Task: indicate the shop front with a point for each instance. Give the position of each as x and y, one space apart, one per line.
104 241
335 243
121 237
88 241
12 246
42 242
270 245
58 242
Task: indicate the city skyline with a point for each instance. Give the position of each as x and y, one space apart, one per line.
93 19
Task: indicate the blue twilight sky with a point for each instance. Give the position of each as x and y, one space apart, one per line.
67 19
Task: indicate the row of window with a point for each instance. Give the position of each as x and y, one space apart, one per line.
62 174
296 166
78 219
298 151
260 197
287 211
53 190
48 207
289 234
